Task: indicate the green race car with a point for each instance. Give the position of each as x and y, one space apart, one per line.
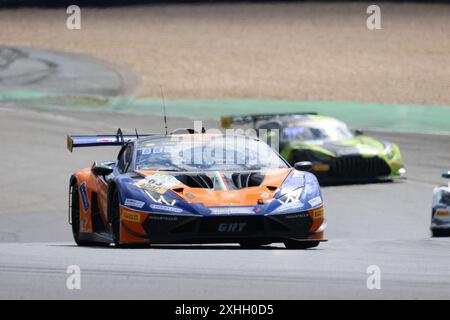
325 146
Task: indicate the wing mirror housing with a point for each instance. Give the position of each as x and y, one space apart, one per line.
446 175
101 170
303 166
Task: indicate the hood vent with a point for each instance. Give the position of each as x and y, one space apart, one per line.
237 180
248 179
196 180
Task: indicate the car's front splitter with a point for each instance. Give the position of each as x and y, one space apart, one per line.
164 228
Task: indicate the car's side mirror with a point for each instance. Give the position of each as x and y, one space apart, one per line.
101 170
446 175
303 166
359 132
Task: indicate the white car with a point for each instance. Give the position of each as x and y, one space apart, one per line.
440 215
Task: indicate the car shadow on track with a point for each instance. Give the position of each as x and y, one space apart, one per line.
183 247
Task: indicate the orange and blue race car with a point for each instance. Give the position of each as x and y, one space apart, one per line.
190 187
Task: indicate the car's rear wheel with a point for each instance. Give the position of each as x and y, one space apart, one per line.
75 218
292 244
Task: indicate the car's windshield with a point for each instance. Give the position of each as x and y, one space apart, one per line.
218 153
326 132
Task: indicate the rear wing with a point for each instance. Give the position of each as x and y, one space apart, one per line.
227 121
118 139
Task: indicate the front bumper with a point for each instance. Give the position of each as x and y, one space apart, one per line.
357 168
440 220
162 228
439 224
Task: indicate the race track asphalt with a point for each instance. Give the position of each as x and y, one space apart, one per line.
383 224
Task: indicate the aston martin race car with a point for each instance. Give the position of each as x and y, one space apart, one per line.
193 187
440 213
335 152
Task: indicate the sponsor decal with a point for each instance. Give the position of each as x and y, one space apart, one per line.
162 218
158 183
145 185
232 210
317 213
134 203
165 208
232 227
156 150
291 197
163 179
84 197
106 140
289 206
315 201
297 215
161 199
146 151
130 216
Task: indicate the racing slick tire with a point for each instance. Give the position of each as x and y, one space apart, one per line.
292 244
115 218
75 219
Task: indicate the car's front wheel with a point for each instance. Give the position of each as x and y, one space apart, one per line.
115 218
115 224
292 244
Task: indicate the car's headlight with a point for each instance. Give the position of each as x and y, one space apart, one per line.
291 196
445 198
